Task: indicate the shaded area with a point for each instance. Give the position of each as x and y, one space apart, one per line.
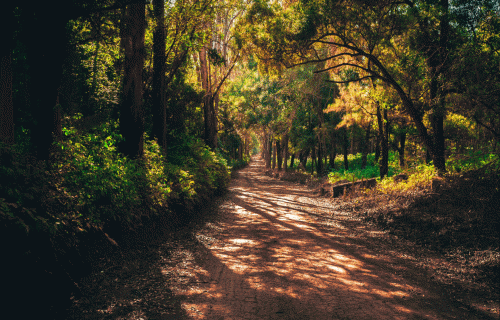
453 229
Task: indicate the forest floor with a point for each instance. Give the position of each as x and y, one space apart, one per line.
271 249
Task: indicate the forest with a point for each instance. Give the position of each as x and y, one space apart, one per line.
115 113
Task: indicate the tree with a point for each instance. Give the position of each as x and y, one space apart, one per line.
384 41
132 109
6 103
217 59
159 85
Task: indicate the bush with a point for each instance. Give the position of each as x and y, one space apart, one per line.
89 184
355 171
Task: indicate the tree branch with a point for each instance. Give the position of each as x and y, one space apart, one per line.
354 80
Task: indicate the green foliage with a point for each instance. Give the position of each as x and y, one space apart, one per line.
472 160
90 183
419 174
356 172
236 164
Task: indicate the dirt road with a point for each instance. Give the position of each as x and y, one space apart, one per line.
276 251
281 253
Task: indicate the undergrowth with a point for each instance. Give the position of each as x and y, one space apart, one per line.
89 184
418 175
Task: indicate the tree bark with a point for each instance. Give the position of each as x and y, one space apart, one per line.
319 163
46 69
269 152
345 148
159 70
279 154
285 151
132 109
313 159
6 104
210 117
333 151
384 141
274 153
364 151
401 150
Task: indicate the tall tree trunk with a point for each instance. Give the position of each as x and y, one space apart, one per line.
364 151
345 147
304 154
6 103
274 153
319 164
132 109
333 151
279 154
46 69
401 150
292 160
159 70
383 134
285 151
269 152
313 159
207 98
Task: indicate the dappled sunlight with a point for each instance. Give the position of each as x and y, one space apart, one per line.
274 258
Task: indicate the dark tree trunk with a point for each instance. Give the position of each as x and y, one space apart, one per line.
279 154
384 141
159 69
303 157
428 157
6 103
319 164
46 49
274 153
313 159
345 148
365 143
333 153
209 103
292 160
438 156
401 150
268 150
132 109
285 151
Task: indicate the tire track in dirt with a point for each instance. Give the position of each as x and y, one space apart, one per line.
277 252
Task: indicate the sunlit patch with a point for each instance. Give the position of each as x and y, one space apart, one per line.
340 257
303 226
336 269
294 216
352 283
403 309
243 241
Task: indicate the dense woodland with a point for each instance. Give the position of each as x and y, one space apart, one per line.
115 111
